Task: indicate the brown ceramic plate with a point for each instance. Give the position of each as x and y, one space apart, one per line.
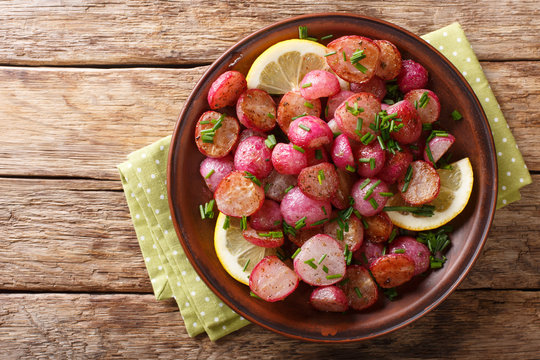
294 317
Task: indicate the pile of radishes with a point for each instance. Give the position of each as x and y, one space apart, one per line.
323 184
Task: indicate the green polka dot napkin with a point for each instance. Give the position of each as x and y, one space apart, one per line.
513 173
144 180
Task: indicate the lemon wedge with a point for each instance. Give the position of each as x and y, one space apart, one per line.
234 252
456 188
281 67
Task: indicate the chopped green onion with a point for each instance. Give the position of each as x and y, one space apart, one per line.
295 253
424 210
298 148
330 53
456 115
302 32
280 255
277 222
339 234
310 263
210 173
424 99
318 154
243 223
327 37
355 110
335 276
227 223
320 222
325 269
357 56
207 210
381 142
367 138
246 265
304 127
306 85
252 177
252 294
386 194
320 176
300 223
364 160
344 56
384 250
326 112
288 189
427 127
365 183
312 38
271 116
357 291
399 251
321 259
429 154
308 104
388 101
371 189
264 234
288 229
365 223
373 203
299 116
391 293
407 179
350 168
392 235
361 67
267 187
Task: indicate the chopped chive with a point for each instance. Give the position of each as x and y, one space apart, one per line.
456 115
252 294
310 263
364 258
388 101
280 255
298 116
325 269
381 142
308 104
201 210
277 222
384 250
407 179
210 173
416 104
252 177
355 110
371 189
288 229
373 203
348 259
243 223
320 176
391 293
357 213
227 223
392 235
399 251
304 127
267 187
357 291
344 56
364 160
298 148
367 138
429 154
350 168
339 234
327 37
424 210
296 253
300 223
320 222
365 183
321 259
426 127
306 85
386 194
205 122
335 276
361 67
264 234
359 124
357 56
312 38
424 100
288 189
246 265
318 154
330 53
302 32
271 116
371 163
365 223
276 234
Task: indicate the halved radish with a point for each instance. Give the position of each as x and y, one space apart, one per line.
298 210
371 159
342 153
427 106
266 239
268 217
379 227
319 182
368 252
214 170
438 146
288 159
319 83
418 252
292 104
216 140
392 270
276 184
412 126
253 155
389 60
375 86
272 280
236 195
351 236
334 101
359 287
341 198
329 298
226 89
395 166
356 114
367 198
320 261
422 186
256 110
310 132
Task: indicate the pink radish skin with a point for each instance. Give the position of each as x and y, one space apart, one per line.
315 249
296 205
272 280
392 270
254 237
275 185
311 155
371 252
412 128
353 238
424 184
364 207
318 135
329 298
342 153
371 151
254 156
412 76
287 160
226 89
348 121
417 251
341 200
332 124
222 167
292 104
319 83
359 282
432 108
438 146
375 86
256 110
395 166
267 218
336 100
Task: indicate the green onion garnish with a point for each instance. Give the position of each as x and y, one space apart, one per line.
427 127
399 251
325 269
357 56
357 291
456 115
298 148
288 229
344 56
335 276
207 210
364 160
365 223
243 223
302 32
367 138
267 187
373 203
296 253
271 116
300 223
424 210
321 259
327 37
330 53
318 154
350 168
424 99
429 154
371 189
361 67
365 183
227 223
308 104
408 176
386 194
298 116
252 294
392 235
246 265
320 176
320 222
339 234
311 263
210 173
304 127
391 293
306 85
252 177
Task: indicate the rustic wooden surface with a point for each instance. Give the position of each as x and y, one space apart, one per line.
83 83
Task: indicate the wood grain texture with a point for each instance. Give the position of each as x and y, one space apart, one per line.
83 122
137 326
196 32
76 235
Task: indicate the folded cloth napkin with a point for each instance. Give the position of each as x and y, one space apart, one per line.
144 180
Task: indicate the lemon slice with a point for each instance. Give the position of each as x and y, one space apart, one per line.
282 66
233 251
456 188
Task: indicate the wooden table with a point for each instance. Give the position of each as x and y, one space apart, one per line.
83 83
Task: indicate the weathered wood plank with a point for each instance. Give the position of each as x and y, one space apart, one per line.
81 123
504 323
186 32
76 235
